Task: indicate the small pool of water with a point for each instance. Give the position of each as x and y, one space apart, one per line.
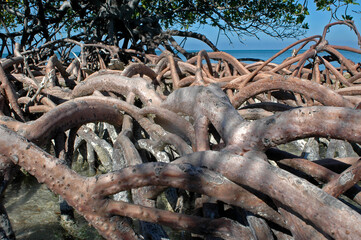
34 212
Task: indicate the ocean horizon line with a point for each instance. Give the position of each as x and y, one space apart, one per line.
263 54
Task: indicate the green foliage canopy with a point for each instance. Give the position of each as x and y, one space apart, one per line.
141 23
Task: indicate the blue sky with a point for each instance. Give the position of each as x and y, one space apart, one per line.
338 35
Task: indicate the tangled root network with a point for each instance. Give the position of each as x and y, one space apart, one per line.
195 149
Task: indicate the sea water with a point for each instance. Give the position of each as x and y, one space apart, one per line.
250 56
266 54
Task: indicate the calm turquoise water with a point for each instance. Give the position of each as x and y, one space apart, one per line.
266 54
